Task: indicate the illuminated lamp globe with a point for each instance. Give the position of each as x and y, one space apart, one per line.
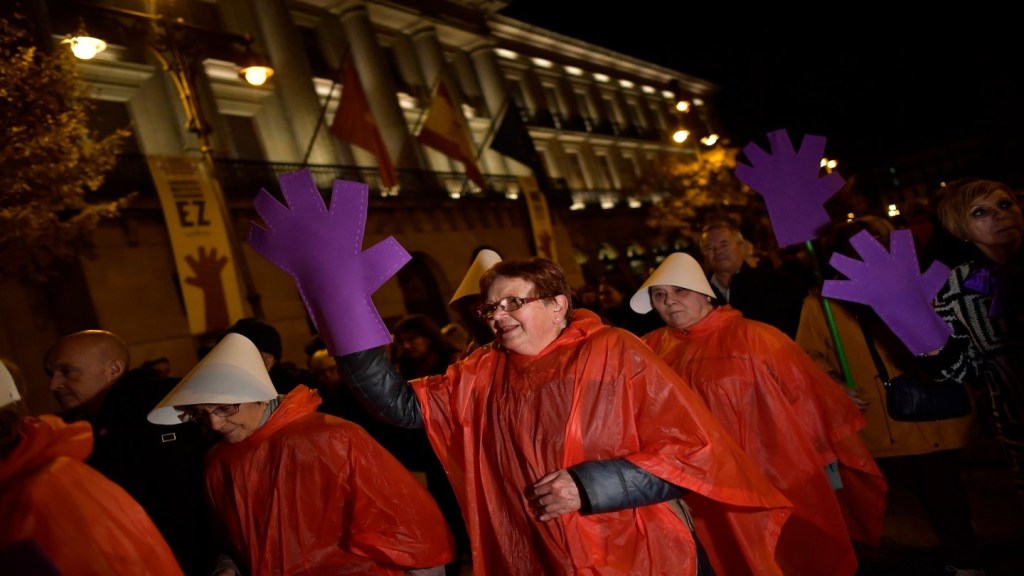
85 47
257 75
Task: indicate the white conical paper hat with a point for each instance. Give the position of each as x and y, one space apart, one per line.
471 282
8 390
232 373
679 269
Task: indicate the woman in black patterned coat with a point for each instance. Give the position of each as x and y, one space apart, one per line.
983 301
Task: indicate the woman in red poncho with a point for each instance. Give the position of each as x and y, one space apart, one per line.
298 491
57 514
571 445
785 412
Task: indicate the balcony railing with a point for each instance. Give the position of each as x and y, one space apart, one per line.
593 126
241 180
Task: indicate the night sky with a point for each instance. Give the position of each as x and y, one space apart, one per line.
879 87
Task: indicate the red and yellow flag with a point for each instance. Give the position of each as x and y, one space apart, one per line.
354 123
445 131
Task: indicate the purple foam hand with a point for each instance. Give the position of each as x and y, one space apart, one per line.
322 249
892 284
791 185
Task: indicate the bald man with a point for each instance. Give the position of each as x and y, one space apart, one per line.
160 468
82 368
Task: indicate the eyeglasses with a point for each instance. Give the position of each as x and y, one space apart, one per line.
201 416
508 304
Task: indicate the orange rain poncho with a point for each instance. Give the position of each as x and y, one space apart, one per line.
793 420
310 493
84 523
500 421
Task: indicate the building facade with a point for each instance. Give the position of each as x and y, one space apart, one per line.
598 121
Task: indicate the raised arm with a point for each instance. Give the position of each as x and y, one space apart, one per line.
379 388
322 249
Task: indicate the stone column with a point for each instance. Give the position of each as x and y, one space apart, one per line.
335 48
379 87
293 78
492 82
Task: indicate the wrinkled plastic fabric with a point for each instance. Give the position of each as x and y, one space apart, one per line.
310 493
792 419
84 523
500 421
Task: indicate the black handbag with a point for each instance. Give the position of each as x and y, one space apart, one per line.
918 398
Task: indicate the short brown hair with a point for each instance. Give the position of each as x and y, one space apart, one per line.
722 225
548 277
956 202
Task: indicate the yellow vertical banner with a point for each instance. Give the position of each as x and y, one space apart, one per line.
206 267
540 218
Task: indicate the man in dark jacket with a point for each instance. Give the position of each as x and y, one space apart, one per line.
162 470
285 375
761 293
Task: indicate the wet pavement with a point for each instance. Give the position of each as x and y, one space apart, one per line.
909 548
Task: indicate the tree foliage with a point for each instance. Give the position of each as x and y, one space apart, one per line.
694 193
707 189
50 161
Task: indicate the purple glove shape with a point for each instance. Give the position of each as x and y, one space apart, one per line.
322 249
891 283
791 185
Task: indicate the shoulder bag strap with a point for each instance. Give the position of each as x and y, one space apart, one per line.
882 372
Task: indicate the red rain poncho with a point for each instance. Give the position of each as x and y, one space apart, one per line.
792 420
83 522
500 421
310 493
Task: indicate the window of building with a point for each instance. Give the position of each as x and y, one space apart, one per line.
472 94
604 163
393 64
516 94
317 63
612 109
108 117
585 105
554 101
629 159
658 113
577 176
636 114
245 138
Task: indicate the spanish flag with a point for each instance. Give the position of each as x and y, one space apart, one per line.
445 131
354 123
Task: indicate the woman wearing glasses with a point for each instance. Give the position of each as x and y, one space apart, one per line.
571 446
298 491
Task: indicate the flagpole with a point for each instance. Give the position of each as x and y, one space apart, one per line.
323 109
494 123
425 109
844 365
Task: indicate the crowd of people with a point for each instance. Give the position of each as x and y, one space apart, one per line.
713 417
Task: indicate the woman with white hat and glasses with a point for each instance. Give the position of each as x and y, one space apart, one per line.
298 491
787 414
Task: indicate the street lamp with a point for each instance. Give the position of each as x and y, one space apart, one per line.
174 43
85 47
